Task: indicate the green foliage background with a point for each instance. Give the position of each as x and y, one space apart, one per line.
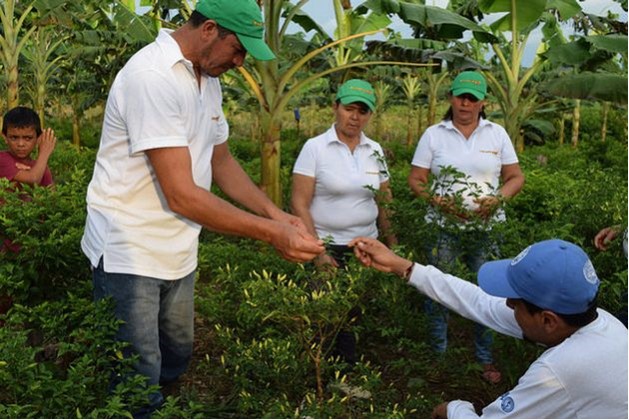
258 316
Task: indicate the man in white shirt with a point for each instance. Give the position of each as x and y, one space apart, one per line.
547 294
163 143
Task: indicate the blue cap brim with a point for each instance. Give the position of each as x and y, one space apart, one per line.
493 278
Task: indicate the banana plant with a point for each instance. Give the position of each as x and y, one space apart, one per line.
103 35
42 54
576 121
411 87
594 67
350 21
383 93
511 85
600 76
13 38
436 32
274 83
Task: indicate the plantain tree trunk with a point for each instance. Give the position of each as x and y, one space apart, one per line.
562 128
512 125
11 45
605 111
40 102
434 82
76 122
576 120
420 120
13 99
270 181
432 108
409 127
378 124
76 130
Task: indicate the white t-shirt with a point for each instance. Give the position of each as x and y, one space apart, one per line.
154 102
585 376
480 157
342 206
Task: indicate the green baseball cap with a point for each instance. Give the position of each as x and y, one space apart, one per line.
356 90
244 18
471 82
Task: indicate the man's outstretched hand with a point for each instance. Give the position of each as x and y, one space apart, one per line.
373 253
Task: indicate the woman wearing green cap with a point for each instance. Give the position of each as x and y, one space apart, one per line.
465 211
329 185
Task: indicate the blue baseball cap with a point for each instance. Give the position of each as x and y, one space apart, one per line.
555 275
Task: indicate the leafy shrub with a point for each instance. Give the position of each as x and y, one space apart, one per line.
259 313
57 360
47 223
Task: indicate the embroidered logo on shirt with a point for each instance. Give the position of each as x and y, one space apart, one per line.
493 152
506 403
216 118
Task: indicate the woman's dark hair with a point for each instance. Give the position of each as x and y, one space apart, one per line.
362 105
448 114
196 19
21 117
574 320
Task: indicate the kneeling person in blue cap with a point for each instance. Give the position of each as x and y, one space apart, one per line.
547 294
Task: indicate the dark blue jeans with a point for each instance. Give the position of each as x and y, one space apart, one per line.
472 250
158 323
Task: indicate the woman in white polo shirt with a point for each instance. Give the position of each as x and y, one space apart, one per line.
335 179
465 211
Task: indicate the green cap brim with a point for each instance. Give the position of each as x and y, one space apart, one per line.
346 100
256 47
478 95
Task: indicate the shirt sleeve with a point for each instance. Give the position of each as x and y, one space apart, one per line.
152 112
465 298
8 169
423 153
507 153
538 395
222 130
306 163
46 179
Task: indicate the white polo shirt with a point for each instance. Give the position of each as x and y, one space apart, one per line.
585 376
343 206
480 158
154 102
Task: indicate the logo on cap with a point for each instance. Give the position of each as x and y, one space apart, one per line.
367 91
475 82
521 255
589 273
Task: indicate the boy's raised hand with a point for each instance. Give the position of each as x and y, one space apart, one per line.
46 142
